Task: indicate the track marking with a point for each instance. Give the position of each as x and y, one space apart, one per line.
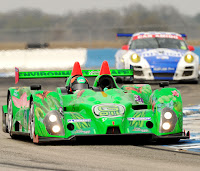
191 122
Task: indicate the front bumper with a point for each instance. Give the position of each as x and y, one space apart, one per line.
147 136
183 73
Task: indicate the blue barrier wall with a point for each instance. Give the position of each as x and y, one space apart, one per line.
197 51
95 57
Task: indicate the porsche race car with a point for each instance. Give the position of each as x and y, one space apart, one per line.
158 56
77 109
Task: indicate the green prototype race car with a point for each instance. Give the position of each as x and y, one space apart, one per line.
80 110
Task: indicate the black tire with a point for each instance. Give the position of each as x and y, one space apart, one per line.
10 118
4 124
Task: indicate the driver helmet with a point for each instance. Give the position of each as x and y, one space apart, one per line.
78 83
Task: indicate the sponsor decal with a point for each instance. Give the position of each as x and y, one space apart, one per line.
44 73
68 73
138 99
157 36
94 73
81 131
108 109
162 57
140 119
163 69
136 129
141 130
104 119
78 120
15 93
163 54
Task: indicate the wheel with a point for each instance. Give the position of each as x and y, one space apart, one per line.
32 121
4 122
10 118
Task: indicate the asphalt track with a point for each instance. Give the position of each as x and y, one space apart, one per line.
112 154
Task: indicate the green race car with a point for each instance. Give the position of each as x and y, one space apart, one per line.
80 110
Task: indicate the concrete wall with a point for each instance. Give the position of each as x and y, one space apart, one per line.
41 59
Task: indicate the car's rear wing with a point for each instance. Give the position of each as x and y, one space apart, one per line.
124 34
183 35
67 73
131 34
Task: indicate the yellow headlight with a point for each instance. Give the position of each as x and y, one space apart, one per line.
135 58
189 58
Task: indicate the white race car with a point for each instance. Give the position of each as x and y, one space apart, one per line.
158 56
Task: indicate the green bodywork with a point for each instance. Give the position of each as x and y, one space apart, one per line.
131 109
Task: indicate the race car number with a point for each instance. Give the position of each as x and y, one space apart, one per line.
108 109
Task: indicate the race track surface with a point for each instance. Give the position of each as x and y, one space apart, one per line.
86 154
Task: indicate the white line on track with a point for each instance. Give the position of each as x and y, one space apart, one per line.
191 122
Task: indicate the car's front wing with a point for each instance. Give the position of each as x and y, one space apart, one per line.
148 136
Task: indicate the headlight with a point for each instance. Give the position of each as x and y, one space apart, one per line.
168 115
135 58
56 128
168 120
189 58
53 123
53 118
122 60
166 126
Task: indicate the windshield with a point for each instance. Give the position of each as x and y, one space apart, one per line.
80 86
153 43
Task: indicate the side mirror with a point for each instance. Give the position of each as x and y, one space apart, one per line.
164 84
191 48
125 47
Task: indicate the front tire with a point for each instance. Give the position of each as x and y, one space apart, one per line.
10 118
4 122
